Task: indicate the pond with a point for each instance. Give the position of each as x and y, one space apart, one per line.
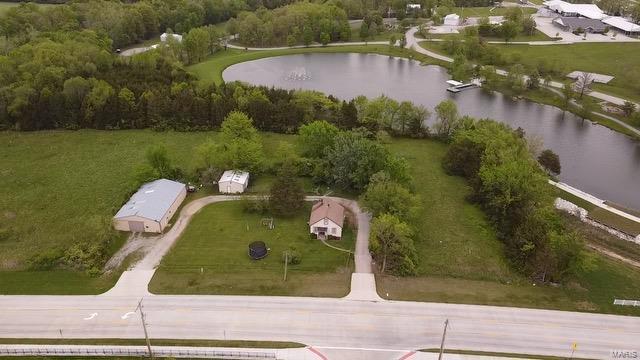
594 158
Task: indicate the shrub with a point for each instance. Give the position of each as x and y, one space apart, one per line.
257 205
292 256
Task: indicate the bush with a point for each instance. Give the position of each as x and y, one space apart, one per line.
257 205
292 256
46 260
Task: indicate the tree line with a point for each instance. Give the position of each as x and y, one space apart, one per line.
297 23
125 23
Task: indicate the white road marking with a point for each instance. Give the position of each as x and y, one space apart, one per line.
126 316
91 316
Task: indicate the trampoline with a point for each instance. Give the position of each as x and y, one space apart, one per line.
257 250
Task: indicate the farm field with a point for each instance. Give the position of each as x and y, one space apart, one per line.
211 257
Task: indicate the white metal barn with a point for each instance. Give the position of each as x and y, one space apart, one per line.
176 37
151 207
327 219
233 182
452 20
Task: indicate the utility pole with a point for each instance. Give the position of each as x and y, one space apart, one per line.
286 261
144 327
444 335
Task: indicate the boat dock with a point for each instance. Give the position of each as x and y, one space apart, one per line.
457 86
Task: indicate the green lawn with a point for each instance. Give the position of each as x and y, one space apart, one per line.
211 257
158 342
381 36
212 68
487 11
59 187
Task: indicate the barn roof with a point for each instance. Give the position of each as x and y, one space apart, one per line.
236 176
622 24
584 23
329 209
590 11
152 200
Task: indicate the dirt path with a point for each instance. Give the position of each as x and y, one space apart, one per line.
614 255
136 243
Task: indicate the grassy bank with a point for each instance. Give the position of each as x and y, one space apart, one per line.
616 59
463 262
547 97
158 342
211 257
212 68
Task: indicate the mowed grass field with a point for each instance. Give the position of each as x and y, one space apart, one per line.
211 257
57 188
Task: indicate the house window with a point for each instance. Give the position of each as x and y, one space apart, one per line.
326 222
333 230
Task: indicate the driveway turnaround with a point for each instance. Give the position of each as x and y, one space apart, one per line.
359 323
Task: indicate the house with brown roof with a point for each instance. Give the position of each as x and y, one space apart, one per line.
327 219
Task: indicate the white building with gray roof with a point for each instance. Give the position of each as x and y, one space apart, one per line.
233 182
151 207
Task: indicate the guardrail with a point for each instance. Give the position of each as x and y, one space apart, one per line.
626 302
132 351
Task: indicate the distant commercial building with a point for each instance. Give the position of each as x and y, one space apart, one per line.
233 182
564 8
575 23
151 207
622 25
591 11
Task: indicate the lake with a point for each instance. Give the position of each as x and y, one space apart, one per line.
594 158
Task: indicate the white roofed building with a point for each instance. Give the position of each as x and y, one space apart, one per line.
233 182
452 20
165 36
326 219
564 8
623 25
151 207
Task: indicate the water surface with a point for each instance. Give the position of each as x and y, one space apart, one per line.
594 158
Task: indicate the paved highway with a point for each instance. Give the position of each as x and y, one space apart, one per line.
320 322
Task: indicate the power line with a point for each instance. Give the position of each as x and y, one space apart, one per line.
144 327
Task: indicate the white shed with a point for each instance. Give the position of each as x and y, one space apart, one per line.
327 219
151 207
176 37
452 20
233 182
